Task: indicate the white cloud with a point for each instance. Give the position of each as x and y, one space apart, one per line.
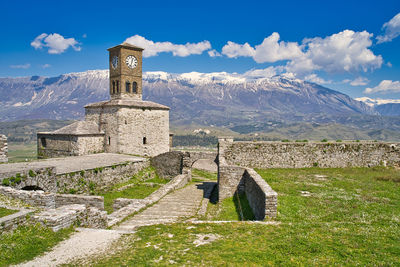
22 66
234 50
55 43
391 28
154 48
214 53
314 78
261 73
384 86
270 50
346 51
45 66
359 81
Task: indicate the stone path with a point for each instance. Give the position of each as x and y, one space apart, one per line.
71 164
180 204
81 244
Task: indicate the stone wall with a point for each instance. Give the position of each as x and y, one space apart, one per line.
61 145
262 199
51 200
86 181
310 154
65 216
3 148
44 178
169 164
132 130
14 220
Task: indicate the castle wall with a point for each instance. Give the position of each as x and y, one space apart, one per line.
143 132
108 121
3 148
62 145
310 154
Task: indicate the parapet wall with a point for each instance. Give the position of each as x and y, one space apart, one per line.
310 154
3 148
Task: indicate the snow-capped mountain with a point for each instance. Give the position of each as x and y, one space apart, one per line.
385 107
204 98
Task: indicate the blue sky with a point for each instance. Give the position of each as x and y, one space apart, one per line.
344 45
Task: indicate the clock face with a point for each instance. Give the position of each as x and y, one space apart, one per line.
114 62
131 62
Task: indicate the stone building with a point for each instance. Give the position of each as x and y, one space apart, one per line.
3 148
124 124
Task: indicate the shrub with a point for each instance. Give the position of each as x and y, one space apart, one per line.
6 182
338 140
324 140
31 173
285 140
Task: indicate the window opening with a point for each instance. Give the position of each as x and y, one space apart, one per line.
134 87
128 87
144 140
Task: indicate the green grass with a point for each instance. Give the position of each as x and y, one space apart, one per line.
205 174
5 212
345 217
137 189
18 152
229 210
27 242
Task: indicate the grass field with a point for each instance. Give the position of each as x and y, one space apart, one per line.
345 217
27 242
18 152
138 187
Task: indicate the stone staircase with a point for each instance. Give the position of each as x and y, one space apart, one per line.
176 206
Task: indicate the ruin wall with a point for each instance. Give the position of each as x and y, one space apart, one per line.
3 148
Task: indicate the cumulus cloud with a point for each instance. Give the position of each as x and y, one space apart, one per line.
346 51
214 53
270 50
154 48
384 86
314 78
55 43
391 30
45 66
22 66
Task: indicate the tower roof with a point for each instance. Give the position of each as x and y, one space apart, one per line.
127 46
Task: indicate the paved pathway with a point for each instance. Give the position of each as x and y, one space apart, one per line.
71 164
178 205
81 244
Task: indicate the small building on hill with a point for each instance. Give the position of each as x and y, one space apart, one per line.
124 124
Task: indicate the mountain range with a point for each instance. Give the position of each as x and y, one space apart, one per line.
243 103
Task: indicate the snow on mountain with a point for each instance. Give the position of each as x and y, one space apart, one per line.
203 98
374 102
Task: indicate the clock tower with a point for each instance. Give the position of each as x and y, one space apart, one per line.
125 72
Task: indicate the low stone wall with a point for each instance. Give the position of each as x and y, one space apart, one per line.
44 178
89 201
33 198
12 221
75 214
3 148
102 178
262 199
135 205
51 200
310 154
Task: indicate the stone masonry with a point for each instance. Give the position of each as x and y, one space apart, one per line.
3 149
310 154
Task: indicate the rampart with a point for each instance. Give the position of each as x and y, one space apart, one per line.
309 154
3 148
